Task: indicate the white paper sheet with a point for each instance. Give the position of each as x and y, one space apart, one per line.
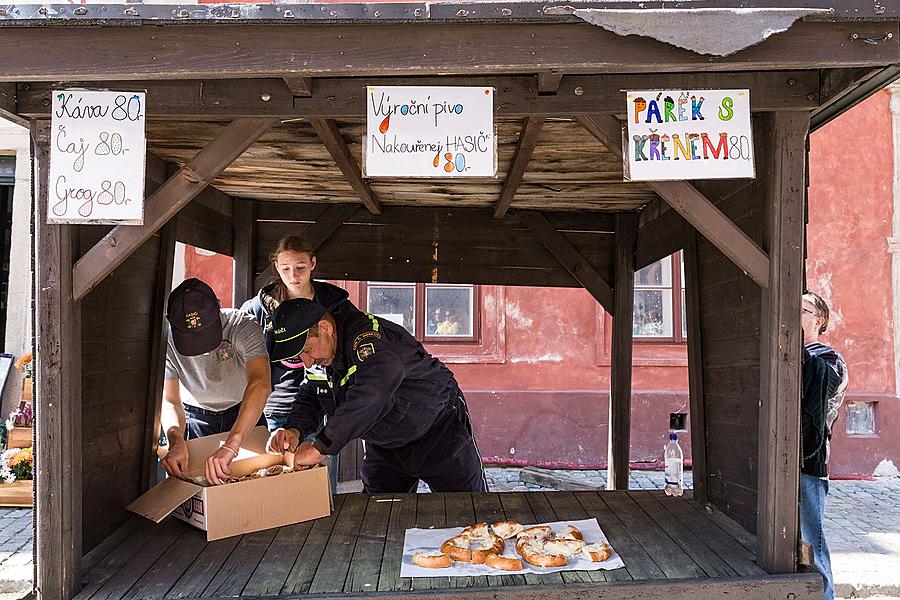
430 540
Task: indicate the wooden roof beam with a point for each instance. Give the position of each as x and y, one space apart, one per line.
331 137
696 208
165 202
300 87
569 257
527 141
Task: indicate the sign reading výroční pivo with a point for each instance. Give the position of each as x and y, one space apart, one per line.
688 134
97 157
418 131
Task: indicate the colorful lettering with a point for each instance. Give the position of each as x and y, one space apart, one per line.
640 105
680 148
726 111
653 109
721 148
669 109
639 143
695 108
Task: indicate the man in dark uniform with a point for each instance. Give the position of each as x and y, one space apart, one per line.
385 388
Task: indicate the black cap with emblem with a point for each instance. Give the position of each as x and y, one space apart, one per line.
290 327
194 316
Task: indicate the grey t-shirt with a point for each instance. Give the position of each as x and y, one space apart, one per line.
216 380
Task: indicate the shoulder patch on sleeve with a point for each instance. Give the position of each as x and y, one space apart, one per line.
365 351
366 336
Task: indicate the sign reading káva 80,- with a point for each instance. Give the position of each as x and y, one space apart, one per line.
420 131
97 156
684 134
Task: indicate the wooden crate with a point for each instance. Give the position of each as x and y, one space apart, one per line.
18 493
19 437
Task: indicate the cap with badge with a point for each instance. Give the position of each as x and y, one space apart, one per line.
291 322
194 316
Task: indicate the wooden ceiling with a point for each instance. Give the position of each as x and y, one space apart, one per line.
569 169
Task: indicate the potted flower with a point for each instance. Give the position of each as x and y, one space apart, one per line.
16 471
18 427
25 364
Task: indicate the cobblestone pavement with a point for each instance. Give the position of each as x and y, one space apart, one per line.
862 525
16 554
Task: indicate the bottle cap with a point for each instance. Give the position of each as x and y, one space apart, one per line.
673 436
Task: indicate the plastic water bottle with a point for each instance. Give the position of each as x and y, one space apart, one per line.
674 467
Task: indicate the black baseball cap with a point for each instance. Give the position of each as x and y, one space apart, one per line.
291 322
193 313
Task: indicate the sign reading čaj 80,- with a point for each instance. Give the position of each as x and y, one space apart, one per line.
688 134
97 156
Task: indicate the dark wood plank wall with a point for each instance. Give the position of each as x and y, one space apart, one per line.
116 345
730 324
463 245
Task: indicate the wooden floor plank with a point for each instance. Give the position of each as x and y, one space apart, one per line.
517 508
335 563
119 584
104 569
301 575
430 514
489 509
403 516
365 566
567 508
665 552
102 550
727 548
637 563
165 572
272 572
711 564
461 513
192 583
729 526
232 578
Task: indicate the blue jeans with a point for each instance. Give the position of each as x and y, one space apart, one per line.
813 491
200 423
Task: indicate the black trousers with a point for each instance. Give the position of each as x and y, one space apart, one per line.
446 458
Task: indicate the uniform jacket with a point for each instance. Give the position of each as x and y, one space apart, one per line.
382 386
286 381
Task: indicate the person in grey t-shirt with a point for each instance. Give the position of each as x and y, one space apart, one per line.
217 377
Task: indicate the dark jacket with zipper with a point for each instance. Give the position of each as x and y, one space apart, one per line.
824 379
384 387
287 382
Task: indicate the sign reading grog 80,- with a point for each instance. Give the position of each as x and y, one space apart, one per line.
97 157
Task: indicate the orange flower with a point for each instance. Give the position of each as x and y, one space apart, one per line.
20 457
23 360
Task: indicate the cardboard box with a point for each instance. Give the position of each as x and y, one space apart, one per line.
243 507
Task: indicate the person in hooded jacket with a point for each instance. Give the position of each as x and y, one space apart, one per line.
294 262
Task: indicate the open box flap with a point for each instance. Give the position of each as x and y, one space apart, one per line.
163 498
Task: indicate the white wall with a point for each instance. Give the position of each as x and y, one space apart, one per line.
14 142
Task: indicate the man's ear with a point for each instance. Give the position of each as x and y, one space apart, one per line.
312 264
326 329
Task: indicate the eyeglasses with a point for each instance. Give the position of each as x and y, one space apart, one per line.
812 312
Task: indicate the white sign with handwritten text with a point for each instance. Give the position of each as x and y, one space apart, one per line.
688 134
97 156
418 131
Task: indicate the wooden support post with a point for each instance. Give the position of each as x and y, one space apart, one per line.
243 214
695 366
315 235
620 377
57 395
331 137
165 202
692 205
569 258
158 352
528 138
781 338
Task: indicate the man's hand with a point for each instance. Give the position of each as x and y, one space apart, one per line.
307 456
217 465
176 461
283 440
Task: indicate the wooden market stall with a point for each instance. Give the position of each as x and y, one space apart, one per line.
255 116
